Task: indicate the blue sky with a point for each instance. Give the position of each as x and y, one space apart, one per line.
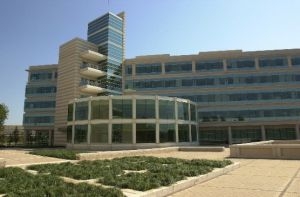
32 31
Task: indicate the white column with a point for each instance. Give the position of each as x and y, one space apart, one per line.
289 61
133 69
163 70
193 66
256 63
229 135
263 133
297 132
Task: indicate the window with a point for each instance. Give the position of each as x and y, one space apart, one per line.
145 133
69 134
178 67
209 65
166 109
145 108
81 111
193 112
280 133
99 133
194 133
240 63
148 68
245 135
128 70
295 61
272 62
213 136
183 133
122 133
122 108
70 112
167 133
80 134
100 109
183 111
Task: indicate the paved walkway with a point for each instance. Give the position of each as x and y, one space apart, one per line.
22 158
255 177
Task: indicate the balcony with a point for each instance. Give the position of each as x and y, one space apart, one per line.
92 70
91 87
92 55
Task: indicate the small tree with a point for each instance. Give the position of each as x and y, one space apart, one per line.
16 135
3 115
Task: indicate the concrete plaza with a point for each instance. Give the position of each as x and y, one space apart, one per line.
255 177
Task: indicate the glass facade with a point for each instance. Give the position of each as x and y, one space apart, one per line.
280 133
177 67
145 108
145 133
99 133
213 135
37 76
183 133
272 62
80 135
209 65
245 134
295 61
228 80
69 134
194 133
122 108
167 133
70 112
100 109
107 33
148 68
122 133
39 104
242 114
40 90
240 64
244 96
38 120
183 111
81 111
166 109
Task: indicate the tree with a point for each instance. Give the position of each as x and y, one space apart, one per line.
3 115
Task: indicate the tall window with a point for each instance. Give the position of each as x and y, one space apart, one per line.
100 109
145 133
99 133
183 133
70 112
69 134
194 133
167 133
122 133
122 108
81 111
183 111
80 134
166 109
145 108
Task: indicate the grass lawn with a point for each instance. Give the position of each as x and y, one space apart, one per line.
139 173
57 153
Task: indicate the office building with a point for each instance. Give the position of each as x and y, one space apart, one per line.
103 101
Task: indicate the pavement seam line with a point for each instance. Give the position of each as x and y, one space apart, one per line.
289 183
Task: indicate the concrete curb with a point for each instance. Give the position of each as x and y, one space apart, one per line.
184 184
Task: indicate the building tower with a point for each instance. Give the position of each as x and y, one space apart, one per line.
89 68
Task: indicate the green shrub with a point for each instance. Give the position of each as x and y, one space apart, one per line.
17 182
57 153
158 171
